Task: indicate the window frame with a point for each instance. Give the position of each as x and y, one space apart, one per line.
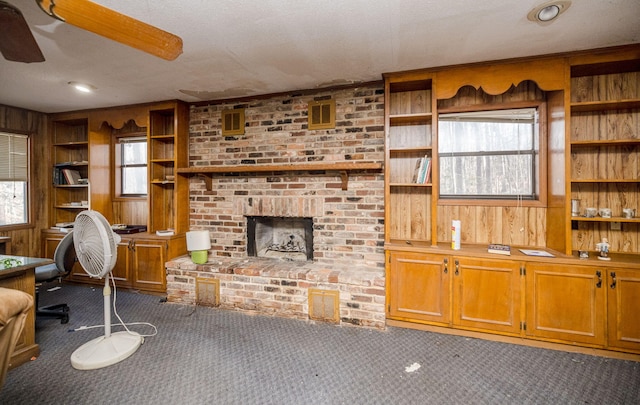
541 198
29 185
118 173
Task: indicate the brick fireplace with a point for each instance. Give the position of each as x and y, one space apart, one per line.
347 225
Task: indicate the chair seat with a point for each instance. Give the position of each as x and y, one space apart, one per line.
47 272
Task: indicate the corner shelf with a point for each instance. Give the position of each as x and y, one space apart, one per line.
343 167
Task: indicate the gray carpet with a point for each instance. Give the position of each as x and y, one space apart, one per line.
206 355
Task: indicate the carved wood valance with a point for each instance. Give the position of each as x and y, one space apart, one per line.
118 118
548 74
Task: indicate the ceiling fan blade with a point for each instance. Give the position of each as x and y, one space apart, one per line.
16 40
116 26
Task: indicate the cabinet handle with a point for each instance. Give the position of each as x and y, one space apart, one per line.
599 275
613 280
457 268
446 264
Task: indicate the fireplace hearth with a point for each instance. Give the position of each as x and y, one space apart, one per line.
286 238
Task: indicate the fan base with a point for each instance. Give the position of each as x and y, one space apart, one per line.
105 351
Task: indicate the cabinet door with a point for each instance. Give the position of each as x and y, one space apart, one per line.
419 287
147 265
624 308
566 303
487 294
120 272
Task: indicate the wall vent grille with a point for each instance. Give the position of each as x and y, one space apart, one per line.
208 292
324 305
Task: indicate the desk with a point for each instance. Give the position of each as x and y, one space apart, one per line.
18 273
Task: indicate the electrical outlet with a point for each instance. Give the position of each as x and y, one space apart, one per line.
616 226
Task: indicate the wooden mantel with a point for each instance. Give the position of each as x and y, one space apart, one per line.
342 167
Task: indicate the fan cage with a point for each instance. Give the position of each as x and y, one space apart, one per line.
94 243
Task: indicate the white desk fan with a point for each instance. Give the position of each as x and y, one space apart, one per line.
96 249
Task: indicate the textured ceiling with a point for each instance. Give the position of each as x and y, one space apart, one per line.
250 47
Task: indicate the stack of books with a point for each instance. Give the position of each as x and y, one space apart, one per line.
422 172
499 249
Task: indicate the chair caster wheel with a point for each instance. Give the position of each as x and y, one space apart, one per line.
65 319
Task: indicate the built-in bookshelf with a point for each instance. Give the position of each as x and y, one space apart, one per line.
605 154
409 160
168 151
70 170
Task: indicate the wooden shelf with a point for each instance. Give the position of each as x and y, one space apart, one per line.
612 219
411 149
410 184
342 167
407 119
597 106
605 181
603 142
82 144
71 185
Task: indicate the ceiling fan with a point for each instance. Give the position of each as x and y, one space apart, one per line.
18 44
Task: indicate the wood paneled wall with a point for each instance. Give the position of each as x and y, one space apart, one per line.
26 240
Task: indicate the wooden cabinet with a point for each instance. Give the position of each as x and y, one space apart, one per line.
409 141
623 308
605 151
455 291
487 294
418 287
147 264
140 264
589 115
566 303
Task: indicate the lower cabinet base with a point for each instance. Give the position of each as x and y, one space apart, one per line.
516 340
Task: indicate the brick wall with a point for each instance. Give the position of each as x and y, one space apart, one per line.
348 224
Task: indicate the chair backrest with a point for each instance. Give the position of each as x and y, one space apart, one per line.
63 260
65 254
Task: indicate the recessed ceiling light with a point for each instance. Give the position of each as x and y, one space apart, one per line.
548 12
82 87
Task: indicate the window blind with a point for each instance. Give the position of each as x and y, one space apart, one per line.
14 153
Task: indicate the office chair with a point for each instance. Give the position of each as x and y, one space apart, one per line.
64 258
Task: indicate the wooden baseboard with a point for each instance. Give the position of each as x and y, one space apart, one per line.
23 355
516 340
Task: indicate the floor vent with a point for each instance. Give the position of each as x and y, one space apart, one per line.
208 292
324 305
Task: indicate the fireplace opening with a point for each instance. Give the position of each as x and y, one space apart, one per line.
286 238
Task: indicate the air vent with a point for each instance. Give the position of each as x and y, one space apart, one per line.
208 292
233 122
324 305
322 114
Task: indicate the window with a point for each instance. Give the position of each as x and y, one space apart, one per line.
14 179
489 154
131 165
